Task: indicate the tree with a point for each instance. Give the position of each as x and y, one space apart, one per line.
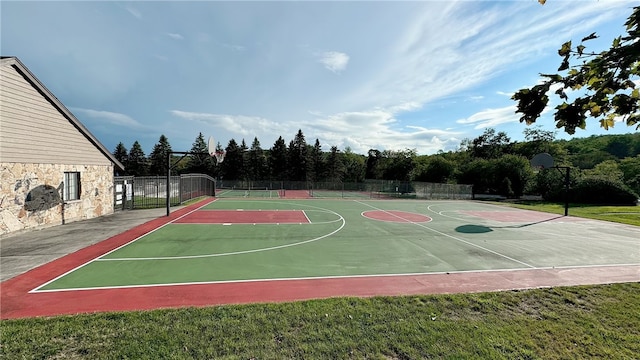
256 163
200 162
278 160
315 162
158 156
511 174
608 170
435 169
477 173
120 153
397 165
137 161
607 78
630 168
231 167
490 145
335 167
373 162
298 158
539 141
354 166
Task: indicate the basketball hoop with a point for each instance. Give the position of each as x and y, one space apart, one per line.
219 155
215 150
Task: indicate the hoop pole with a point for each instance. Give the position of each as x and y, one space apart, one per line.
567 180
566 191
168 180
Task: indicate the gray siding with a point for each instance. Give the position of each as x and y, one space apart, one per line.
32 130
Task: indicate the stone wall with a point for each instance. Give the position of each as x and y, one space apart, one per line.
30 195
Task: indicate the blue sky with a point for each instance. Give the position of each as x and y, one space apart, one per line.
420 75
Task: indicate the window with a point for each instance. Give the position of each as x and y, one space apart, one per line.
71 186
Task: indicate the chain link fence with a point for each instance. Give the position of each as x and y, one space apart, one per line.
145 192
373 189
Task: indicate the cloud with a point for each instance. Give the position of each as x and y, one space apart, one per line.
109 118
491 117
234 47
134 12
175 36
236 124
334 61
379 129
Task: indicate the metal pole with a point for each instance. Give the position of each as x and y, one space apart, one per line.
168 178
566 191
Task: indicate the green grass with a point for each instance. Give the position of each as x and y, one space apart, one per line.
557 323
621 214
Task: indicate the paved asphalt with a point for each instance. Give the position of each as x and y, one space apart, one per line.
22 252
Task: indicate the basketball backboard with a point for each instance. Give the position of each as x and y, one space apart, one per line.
542 161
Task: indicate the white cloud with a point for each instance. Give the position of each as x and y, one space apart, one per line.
379 129
334 61
234 47
175 36
134 12
110 118
235 124
491 117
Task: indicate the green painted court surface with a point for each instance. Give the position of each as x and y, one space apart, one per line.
331 238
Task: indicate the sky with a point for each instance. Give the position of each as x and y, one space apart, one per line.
359 75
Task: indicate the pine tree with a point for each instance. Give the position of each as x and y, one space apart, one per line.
298 158
158 156
231 168
256 162
278 160
120 153
200 162
137 161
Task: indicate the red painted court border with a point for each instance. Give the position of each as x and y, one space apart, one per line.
245 217
17 302
396 216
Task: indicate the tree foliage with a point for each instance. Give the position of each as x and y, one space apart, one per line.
136 162
491 163
121 154
200 162
608 80
278 160
256 162
232 166
490 145
298 158
158 156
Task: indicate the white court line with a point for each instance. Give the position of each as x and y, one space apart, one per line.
568 267
305 215
453 237
119 247
340 219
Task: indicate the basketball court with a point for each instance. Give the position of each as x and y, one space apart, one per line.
246 250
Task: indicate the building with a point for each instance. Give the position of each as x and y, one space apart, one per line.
52 169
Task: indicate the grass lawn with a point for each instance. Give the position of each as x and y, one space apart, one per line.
621 214
557 323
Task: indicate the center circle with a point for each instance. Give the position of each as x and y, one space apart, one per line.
396 216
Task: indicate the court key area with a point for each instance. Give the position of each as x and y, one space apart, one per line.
237 250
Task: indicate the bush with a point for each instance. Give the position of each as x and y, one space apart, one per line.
602 191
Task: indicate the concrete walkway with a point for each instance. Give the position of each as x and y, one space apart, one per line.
27 250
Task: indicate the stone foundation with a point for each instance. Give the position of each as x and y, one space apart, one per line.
30 195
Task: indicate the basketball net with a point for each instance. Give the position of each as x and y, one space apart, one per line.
219 155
